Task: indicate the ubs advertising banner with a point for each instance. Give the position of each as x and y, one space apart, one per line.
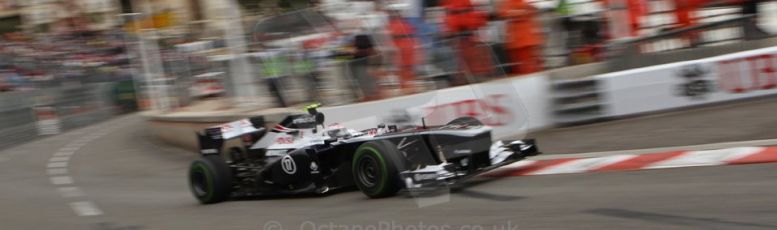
717 79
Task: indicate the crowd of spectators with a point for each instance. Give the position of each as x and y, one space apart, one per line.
389 48
28 63
470 42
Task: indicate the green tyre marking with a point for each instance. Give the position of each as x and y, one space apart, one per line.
384 171
208 178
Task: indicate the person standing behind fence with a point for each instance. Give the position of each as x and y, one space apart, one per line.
461 22
524 39
637 10
403 37
274 68
582 21
632 13
306 66
363 53
684 10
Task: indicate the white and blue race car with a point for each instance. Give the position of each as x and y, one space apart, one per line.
302 155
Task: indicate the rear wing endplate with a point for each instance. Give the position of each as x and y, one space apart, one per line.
211 140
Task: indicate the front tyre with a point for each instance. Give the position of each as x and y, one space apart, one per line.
376 167
468 121
210 179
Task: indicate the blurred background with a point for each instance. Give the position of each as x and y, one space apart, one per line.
100 101
68 63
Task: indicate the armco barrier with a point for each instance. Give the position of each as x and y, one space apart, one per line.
67 108
512 106
690 83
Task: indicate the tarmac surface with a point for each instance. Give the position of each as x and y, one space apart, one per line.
739 121
114 176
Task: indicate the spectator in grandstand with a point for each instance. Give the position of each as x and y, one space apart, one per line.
524 39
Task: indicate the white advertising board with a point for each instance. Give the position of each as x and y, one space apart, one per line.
710 80
510 106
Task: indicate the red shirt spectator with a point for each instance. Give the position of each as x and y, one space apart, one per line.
684 9
523 35
461 16
636 9
403 36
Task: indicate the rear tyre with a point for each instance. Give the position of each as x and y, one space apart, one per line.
376 167
210 179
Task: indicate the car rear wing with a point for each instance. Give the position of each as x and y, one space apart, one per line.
211 140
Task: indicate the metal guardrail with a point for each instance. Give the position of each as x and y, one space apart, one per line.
682 31
75 107
688 37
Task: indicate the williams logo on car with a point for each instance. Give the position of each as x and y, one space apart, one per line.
313 168
288 165
695 85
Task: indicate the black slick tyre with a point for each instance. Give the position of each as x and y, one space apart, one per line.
210 179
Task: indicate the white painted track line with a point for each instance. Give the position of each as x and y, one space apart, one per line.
63 153
56 171
61 180
70 191
85 208
57 164
59 159
57 168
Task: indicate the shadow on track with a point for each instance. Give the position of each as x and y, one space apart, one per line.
704 223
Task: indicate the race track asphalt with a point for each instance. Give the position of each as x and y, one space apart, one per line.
136 183
753 119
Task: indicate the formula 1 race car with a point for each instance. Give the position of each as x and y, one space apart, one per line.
301 155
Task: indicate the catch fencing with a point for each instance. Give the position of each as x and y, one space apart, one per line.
29 115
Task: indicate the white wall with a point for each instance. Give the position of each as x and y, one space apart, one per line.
511 106
722 78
